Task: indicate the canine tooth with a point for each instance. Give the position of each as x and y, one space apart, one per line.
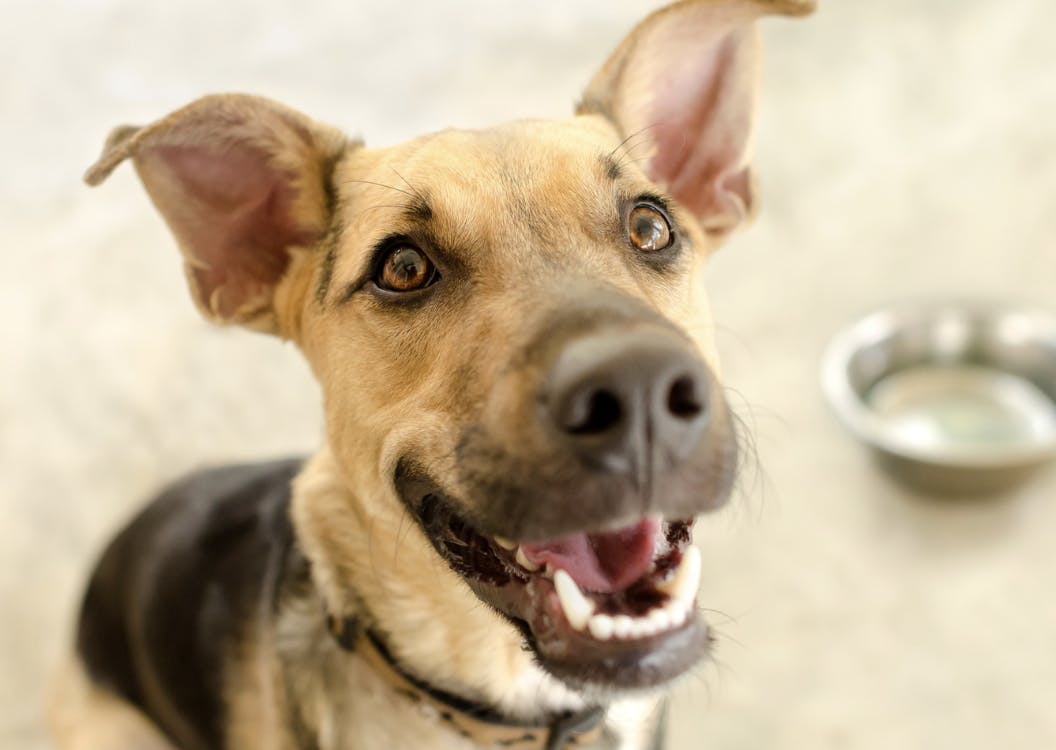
505 543
622 626
601 627
577 608
524 562
684 584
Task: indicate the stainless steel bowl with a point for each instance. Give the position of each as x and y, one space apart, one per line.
955 398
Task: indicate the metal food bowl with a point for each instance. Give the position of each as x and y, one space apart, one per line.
955 398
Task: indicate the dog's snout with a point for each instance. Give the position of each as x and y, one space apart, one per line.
629 402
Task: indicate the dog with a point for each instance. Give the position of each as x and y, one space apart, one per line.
523 419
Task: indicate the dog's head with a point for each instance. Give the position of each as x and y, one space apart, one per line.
508 325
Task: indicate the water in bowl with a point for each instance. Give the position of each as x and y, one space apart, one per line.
963 410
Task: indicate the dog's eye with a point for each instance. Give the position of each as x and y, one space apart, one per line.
648 229
405 268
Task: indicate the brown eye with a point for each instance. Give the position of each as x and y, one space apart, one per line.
648 229
405 269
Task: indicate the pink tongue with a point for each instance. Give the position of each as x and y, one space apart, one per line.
601 562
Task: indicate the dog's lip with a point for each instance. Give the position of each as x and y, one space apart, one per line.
629 636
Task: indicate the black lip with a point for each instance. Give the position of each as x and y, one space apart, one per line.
648 663
574 658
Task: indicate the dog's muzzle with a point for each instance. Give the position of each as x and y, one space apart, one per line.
578 487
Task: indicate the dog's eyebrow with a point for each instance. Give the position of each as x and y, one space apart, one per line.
418 211
611 168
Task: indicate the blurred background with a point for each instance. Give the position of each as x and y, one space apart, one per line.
906 151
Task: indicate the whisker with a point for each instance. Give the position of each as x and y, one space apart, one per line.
627 147
626 140
382 184
386 205
415 190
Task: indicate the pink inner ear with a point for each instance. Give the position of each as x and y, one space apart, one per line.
702 116
235 223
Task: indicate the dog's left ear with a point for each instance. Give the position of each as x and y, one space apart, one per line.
241 181
681 89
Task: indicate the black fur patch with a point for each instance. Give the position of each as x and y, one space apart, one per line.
172 594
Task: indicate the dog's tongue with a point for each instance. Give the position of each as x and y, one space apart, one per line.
601 562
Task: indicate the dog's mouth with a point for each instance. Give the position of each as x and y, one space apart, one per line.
607 609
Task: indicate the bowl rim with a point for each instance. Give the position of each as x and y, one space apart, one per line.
863 421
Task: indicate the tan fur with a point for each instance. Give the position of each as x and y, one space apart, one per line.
84 716
532 192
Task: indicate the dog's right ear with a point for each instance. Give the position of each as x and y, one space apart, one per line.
240 181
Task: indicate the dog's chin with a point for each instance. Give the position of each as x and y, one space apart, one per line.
604 612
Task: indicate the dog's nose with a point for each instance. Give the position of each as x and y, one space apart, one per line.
632 403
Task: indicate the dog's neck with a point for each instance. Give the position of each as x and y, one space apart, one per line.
368 566
476 722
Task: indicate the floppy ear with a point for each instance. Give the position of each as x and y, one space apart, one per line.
681 89
240 181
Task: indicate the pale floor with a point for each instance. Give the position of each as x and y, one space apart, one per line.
906 151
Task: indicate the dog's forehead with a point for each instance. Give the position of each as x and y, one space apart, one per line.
527 149
531 164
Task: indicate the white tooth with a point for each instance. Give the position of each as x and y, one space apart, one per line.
577 608
691 582
677 614
659 619
622 626
644 629
505 543
524 562
601 627
686 580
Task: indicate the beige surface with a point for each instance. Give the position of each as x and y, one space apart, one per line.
906 150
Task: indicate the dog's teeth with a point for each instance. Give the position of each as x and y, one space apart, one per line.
644 629
681 590
505 543
686 580
601 627
676 613
622 626
659 619
524 562
577 608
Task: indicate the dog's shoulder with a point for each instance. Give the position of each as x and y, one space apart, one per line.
171 596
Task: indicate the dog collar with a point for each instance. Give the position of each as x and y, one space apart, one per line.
481 724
